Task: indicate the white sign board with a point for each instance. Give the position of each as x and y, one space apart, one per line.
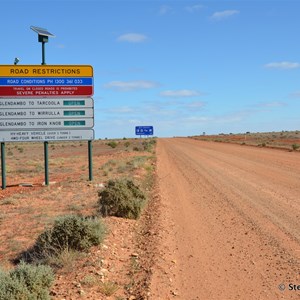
33 124
47 135
45 113
46 103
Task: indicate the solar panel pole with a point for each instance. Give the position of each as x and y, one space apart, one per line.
44 40
43 53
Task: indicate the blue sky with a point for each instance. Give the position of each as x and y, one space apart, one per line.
185 67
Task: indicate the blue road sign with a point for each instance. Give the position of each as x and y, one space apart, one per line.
144 130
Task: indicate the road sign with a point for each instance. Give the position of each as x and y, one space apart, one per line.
46 71
46 81
47 135
144 130
46 103
23 124
43 113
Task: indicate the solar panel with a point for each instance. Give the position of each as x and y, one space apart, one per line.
41 31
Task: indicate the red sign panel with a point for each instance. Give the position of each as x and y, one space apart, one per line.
45 91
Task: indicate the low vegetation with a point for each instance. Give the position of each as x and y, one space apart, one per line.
149 145
112 144
121 198
108 288
288 140
69 233
145 145
62 247
26 282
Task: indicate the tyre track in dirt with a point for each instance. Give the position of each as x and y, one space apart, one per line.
229 222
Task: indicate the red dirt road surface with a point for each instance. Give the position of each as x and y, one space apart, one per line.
230 222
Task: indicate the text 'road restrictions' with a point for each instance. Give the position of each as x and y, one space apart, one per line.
47 135
46 71
46 103
20 124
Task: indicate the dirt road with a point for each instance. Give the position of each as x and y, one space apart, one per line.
229 222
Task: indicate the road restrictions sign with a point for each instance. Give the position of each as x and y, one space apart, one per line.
144 130
46 81
47 135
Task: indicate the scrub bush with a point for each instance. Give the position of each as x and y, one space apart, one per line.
149 145
121 198
69 233
112 144
26 282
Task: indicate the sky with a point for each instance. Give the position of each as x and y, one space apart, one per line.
183 67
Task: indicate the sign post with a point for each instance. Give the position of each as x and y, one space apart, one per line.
3 168
90 160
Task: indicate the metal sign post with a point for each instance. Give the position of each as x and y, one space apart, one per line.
3 167
90 160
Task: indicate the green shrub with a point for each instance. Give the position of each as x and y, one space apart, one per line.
26 282
66 260
112 144
295 147
149 144
127 144
11 289
121 198
69 233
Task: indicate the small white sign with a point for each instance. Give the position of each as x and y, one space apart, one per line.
46 113
46 103
34 124
47 135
